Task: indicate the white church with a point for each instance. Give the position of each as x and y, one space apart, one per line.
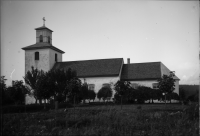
97 73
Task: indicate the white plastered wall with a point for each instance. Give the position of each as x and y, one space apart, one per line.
42 63
45 62
147 83
99 81
52 57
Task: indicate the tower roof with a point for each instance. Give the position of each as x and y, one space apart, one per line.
43 27
42 45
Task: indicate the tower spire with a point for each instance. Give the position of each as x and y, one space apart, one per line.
44 21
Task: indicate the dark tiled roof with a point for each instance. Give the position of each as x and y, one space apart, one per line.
141 71
42 45
93 68
43 27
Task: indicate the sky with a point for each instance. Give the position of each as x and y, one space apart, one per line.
144 31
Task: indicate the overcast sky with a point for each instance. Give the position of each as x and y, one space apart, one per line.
144 31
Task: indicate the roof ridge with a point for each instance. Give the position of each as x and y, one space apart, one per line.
144 62
93 59
43 27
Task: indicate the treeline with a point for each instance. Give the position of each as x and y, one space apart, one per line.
142 94
64 86
55 85
13 95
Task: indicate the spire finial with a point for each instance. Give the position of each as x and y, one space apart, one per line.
44 21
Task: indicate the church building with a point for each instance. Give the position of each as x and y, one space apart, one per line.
97 73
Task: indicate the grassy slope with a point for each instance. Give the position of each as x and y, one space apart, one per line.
148 119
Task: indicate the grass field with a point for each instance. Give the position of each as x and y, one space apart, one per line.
133 120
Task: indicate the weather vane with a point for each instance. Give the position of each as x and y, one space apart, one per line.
44 21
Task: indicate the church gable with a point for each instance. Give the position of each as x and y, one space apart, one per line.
93 68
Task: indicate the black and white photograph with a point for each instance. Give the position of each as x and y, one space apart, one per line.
101 68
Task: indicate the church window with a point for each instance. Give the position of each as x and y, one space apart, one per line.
134 85
106 85
155 85
48 39
55 57
41 38
90 86
36 55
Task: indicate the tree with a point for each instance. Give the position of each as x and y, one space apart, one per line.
92 95
121 87
4 96
18 92
31 79
166 84
182 94
143 93
105 93
84 92
74 87
44 87
2 83
57 82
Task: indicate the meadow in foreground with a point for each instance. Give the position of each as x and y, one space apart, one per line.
133 120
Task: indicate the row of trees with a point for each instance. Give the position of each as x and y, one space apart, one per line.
166 86
58 85
14 94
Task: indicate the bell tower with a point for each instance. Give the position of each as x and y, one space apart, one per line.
42 55
43 34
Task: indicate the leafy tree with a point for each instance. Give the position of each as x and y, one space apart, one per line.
31 79
2 83
4 97
92 95
121 87
17 92
105 93
84 92
182 94
166 84
57 83
74 87
129 96
45 92
143 93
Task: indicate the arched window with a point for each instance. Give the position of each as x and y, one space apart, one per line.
49 39
55 57
91 86
36 55
41 38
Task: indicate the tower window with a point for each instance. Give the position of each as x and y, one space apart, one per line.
41 38
56 57
36 55
48 39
